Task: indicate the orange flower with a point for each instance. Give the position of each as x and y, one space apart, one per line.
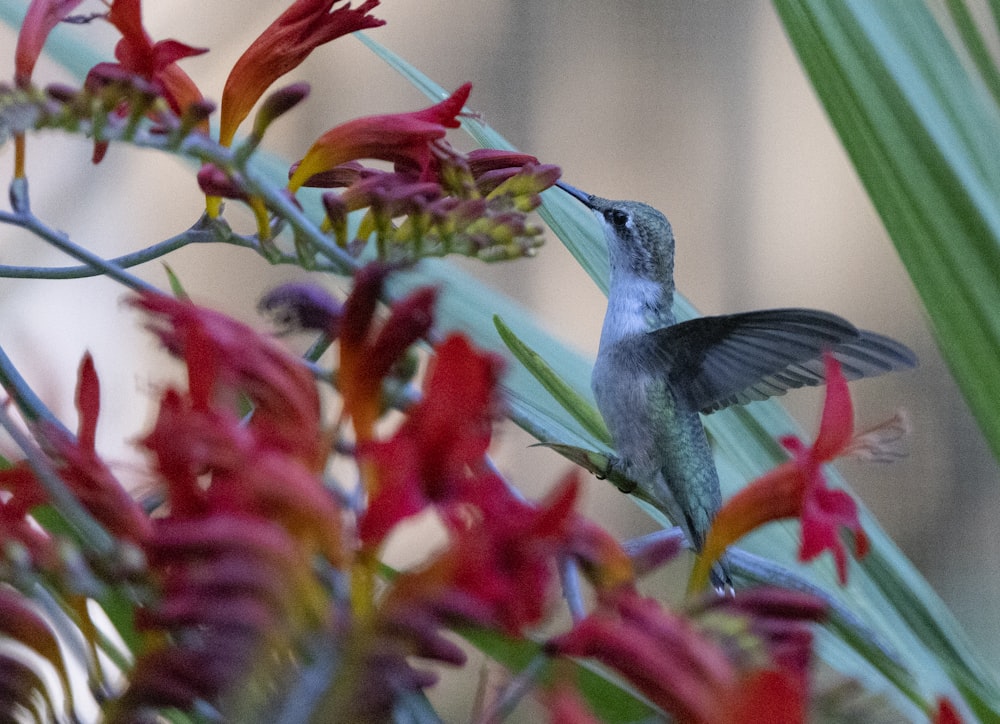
404 138
283 45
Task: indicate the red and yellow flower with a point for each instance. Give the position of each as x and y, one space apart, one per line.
405 139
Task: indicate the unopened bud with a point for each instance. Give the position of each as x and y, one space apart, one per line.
277 104
215 182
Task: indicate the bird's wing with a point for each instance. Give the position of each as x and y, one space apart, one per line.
737 358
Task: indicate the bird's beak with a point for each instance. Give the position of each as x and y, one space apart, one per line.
581 196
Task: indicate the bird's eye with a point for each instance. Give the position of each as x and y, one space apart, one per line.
616 217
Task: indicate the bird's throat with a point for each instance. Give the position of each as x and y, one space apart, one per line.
635 306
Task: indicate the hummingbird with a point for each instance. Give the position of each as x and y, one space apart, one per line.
654 376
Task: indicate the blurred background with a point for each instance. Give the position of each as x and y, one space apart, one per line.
700 109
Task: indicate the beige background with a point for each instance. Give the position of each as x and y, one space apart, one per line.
700 109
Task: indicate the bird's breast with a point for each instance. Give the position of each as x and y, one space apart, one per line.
635 401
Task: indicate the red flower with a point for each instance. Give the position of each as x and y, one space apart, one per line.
156 63
227 359
797 489
24 493
661 653
707 666
366 356
247 516
41 18
498 569
404 138
436 456
946 712
81 469
283 45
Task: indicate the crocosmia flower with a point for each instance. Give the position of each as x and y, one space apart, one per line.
403 138
137 54
154 63
699 668
798 489
283 45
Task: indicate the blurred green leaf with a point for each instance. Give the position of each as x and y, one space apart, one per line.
176 287
922 129
923 134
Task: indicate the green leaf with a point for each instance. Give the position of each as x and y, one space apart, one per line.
922 133
581 410
175 283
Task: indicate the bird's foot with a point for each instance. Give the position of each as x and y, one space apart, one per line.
722 582
615 471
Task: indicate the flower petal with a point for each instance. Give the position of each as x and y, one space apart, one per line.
836 427
42 16
773 496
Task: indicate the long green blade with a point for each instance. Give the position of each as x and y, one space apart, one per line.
922 132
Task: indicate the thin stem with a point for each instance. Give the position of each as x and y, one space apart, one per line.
150 253
30 222
514 692
569 577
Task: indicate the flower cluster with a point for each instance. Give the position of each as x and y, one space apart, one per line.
256 563
473 205
435 201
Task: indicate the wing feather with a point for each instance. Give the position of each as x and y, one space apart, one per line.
738 358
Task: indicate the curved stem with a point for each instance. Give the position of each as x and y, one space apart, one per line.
125 261
28 221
